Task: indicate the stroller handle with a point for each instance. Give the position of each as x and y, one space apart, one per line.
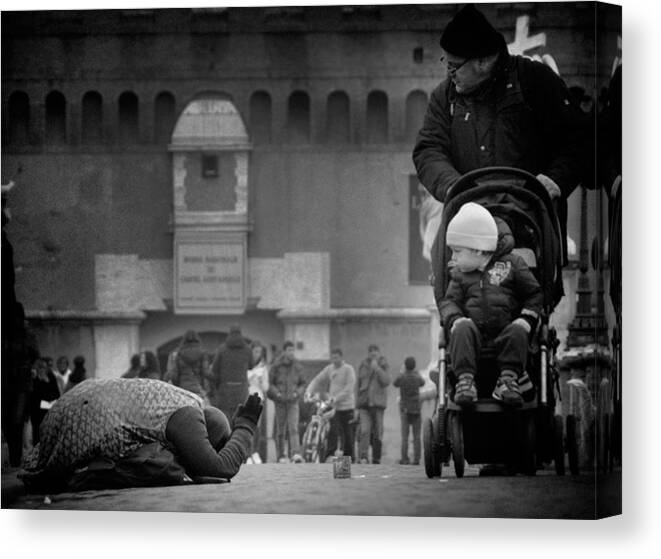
468 180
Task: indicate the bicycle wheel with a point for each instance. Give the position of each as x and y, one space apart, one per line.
310 441
322 443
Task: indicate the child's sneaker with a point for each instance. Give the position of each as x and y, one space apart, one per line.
507 389
465 391
526 387
297 459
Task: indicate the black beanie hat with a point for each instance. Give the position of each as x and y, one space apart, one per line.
409 363
470 35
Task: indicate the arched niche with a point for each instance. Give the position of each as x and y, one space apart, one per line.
210 148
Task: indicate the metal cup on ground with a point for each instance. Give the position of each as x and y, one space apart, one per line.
342 467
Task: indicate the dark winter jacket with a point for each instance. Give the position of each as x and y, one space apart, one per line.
190 369
522 118
409 383
286 380
374 381
230 384
493 298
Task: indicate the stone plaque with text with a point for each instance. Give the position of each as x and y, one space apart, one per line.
209 276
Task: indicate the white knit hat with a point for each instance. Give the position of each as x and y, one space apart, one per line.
472 227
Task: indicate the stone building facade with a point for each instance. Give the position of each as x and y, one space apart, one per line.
258 159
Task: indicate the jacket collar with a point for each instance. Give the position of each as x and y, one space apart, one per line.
501 72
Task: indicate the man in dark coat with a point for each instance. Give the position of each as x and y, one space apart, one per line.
230 364
19 348
494 109
286 385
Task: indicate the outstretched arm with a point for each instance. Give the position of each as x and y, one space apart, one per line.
187 432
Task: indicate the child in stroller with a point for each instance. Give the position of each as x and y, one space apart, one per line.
497 380
492 298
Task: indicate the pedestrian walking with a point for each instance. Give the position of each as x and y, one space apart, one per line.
62 372
79 373
45 391
190 369
229 368
409 382
258 383
134 367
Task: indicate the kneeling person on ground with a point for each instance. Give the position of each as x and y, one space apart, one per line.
110 420
492 298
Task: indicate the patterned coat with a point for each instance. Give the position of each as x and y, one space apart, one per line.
108 418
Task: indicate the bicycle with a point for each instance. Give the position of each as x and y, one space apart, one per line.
315 438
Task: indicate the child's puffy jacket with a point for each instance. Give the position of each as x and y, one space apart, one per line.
493 298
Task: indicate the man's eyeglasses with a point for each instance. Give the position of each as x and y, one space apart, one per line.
452 66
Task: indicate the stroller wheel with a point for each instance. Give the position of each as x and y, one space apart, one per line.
431 448
572 445
605 443
457 432
558 445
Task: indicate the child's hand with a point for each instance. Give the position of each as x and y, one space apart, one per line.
523 323
458 321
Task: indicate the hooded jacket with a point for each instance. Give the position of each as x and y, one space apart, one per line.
505 290
190 368
230 364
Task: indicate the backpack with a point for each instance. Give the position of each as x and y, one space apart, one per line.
151 465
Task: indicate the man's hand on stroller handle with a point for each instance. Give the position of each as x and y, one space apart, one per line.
551 187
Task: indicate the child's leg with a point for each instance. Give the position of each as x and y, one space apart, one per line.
512 347
465 346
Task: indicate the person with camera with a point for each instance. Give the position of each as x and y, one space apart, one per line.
371 401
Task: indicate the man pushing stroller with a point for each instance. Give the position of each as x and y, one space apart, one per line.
492 299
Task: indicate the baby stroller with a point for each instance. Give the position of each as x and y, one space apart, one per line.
521 439
315 437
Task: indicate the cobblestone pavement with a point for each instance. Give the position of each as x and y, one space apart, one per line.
373 490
